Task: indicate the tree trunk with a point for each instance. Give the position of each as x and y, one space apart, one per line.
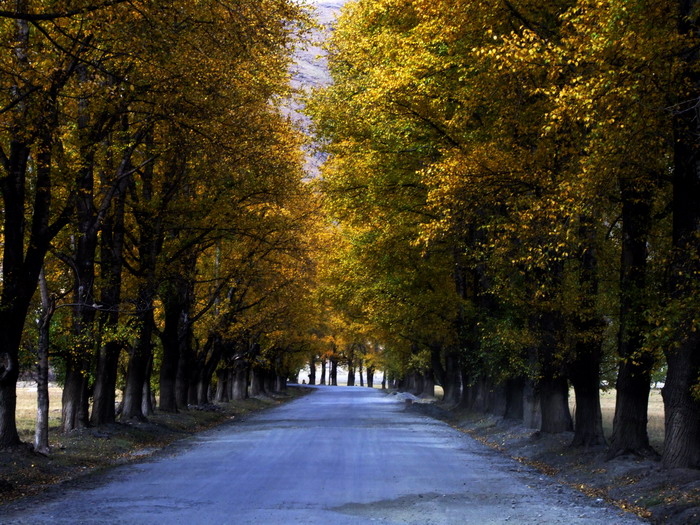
323 372
351 374
257 387
359 365
584 373
681 407
222 385
370 377
334 371
312 370
112 257
514 398
554 400
452 385
682 410
139 360
103 409
584 370
428 384
240 383
532 412
41 432
634 375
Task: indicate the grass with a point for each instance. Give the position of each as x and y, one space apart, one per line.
22 472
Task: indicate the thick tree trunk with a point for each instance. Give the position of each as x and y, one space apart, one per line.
71 399
634 375
323 372
681 407
112 256
584 370
312 370
103 409
584 373
139 360
182 379
351 373
554 400
452 385
514 398
370 377
222 385
532 412
240 383
177 302
428 385
257 383
334 372
682 410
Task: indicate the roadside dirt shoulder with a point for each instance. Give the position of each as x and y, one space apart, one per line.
637 485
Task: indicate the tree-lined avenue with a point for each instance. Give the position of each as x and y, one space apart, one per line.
339 455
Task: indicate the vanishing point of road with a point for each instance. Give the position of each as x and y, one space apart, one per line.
340 455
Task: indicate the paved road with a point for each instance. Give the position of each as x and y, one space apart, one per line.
340 455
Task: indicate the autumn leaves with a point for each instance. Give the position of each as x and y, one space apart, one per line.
148 168
506 175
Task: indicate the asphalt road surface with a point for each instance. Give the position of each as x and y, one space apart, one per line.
341 455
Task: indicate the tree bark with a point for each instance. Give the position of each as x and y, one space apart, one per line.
514 398
634 375
112 256
41 432
584 371
323 372
681 407
452 385
312 370
333 376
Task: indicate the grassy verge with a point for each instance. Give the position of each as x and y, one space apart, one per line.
24 473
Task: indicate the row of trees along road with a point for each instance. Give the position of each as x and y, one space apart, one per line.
153 188
515 193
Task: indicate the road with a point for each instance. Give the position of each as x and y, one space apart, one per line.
341 455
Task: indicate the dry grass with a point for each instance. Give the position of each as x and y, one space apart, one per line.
26 409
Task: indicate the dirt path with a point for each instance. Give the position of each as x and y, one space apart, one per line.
340 455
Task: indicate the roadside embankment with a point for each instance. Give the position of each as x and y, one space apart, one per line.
635 484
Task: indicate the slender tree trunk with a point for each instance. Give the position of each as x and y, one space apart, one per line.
41 433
